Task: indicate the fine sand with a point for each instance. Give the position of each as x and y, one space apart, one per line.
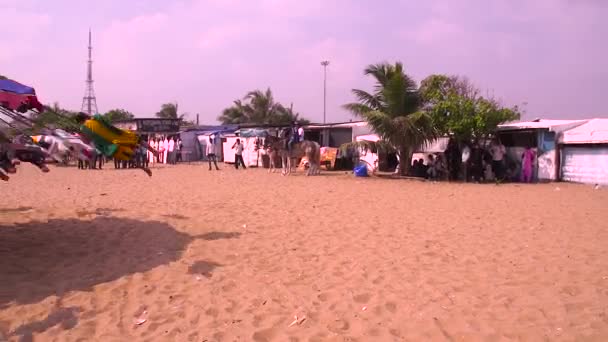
193 255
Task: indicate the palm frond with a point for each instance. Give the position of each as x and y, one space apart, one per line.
367 146
373 101
358 109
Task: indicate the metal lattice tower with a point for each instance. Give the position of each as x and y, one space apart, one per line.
89 102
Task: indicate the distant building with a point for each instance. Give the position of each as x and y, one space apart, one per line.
146 126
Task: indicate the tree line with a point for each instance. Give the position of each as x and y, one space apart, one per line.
406 116
259 107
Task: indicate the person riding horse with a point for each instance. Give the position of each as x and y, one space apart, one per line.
294 135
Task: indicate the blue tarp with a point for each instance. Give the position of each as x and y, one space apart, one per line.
253 132
16 87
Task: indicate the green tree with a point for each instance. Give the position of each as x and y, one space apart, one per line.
54 117
288 115
118 114
169 111
394 112
235 114
259 107
458 110
262 108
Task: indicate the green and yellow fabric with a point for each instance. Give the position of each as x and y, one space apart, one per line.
111 141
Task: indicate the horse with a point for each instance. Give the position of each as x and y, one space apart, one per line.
306 148
272 146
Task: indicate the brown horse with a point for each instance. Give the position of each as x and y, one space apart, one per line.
309 149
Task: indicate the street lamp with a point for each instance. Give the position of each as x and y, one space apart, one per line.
324 64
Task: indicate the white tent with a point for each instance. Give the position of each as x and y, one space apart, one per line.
584 153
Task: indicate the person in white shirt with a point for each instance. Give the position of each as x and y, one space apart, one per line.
171 150
211 153
166 147
152 144
498 151
300 134
238 155
161 150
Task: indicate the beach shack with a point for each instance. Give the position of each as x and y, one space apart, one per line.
251 138
541 136
380 160
195 140
583 153
150 126
336 134
332 136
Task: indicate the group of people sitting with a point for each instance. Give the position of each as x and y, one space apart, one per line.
434 169
476 163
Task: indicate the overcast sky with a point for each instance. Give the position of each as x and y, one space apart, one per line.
550 54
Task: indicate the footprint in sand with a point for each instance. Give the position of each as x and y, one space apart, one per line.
391 307
324 297
362 298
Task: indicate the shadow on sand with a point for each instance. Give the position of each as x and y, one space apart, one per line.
40 259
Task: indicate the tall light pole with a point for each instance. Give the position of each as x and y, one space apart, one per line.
324 64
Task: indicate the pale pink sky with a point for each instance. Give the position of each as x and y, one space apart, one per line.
551 54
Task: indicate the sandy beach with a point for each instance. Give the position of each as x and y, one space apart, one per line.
193 255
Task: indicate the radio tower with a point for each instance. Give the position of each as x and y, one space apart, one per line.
89 102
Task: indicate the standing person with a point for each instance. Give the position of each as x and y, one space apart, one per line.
171 149
211 153
454 157
476 162
498 152
100 158
527 165
180 146
161 150
152 144
238 155
166 147
432 168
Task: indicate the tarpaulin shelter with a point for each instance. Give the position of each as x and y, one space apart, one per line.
252 132
18 97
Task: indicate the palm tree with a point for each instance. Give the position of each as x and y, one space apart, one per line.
169 111
259 107
288 115
235 114
262 108
393 110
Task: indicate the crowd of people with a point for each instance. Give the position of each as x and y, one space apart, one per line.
169 152
477 163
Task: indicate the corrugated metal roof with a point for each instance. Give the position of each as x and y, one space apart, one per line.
552 125
595 131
